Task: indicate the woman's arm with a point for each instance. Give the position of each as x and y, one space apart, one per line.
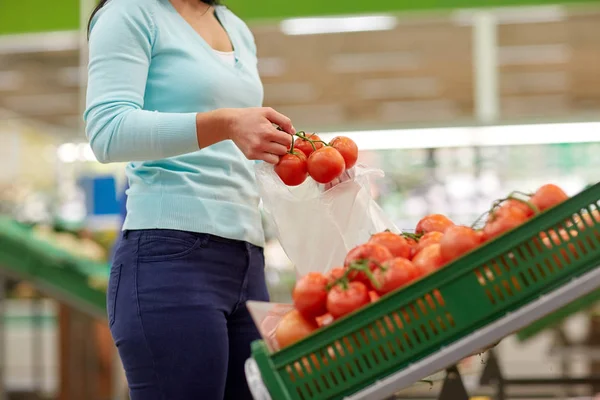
121 40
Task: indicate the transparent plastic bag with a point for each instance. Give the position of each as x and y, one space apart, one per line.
317 225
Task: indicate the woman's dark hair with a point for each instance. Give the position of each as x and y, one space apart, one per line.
102 3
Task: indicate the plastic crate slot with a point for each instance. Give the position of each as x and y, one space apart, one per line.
524 278
497 268
490 296
450 319
316 385
350 370
528 249
499 292
422 306
430 301
326 382
507 288
333 378
405 316
342 374
407 338
515 283
505 264
310 393
532 274
434 329
425 333
549 265
416 335
439 298
442 323
358 366
300 393
488 273
480 277
415 312
542 272
591 243
383 353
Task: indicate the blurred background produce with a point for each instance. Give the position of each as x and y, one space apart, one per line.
457 104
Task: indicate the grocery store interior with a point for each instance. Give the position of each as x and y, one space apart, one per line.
458 102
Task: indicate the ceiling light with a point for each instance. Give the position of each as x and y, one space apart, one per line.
322 25
506 135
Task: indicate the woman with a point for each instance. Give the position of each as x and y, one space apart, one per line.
173 90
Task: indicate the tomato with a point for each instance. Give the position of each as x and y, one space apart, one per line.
335 274
347 148
306 147
518 204
372 254
503 220
394 274
342 301
426 240
548 196
326 164
396 244
457 241
310 295
292 328
429 259
373 296
292 168
324 320
433 223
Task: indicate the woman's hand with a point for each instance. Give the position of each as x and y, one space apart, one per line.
253 130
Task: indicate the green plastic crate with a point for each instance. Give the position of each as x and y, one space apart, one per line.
408 325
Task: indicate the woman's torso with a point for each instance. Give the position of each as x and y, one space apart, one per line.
212 190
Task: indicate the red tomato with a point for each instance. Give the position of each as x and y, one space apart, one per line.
373 296
396 244
347 148
503 220
324 320
370 253
518 204
292 168
426 240
548 196
310 295
326 164
335 274
457 241
429 259
342 301
395 273
433 223
305 146
292 328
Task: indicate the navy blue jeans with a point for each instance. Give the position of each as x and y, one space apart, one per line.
176 308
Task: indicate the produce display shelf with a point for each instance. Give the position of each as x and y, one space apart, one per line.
53 271
497 289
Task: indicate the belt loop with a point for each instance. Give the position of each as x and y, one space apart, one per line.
125 233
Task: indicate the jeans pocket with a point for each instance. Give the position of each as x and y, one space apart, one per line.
165 246
112 291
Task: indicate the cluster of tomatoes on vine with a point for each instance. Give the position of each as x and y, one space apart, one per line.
309 155
389 261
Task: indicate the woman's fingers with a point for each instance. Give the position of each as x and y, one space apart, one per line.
269 158
280 137
280 120
275 148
